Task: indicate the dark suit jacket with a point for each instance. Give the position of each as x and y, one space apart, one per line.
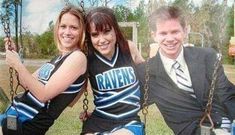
182 112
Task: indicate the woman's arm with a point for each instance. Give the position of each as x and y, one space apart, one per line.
73 66
136 56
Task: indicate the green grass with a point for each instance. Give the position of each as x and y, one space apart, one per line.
69 124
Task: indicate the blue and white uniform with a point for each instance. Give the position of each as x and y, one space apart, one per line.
36 117
116 93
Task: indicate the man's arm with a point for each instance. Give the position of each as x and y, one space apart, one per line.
141 73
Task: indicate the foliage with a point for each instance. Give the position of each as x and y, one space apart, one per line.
45 44
230 33
2 48
123 14
212 19
139 15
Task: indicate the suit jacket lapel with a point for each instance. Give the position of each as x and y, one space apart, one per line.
157 69
197 72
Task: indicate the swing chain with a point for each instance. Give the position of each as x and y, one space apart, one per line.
85 102
214 77
211 92
6 26
11 83
146 88
82 7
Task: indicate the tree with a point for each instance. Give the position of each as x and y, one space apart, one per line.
39 46
105 2
123 14
29 46
230 33
140 15
2 47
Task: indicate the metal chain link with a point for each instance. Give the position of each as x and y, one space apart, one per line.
18 83
146 88
214 78
83 8
82 5
85 102
11 83
6 26
211 92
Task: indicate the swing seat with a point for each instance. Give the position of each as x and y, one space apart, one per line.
6 129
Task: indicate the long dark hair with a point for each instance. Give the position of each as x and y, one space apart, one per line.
104 17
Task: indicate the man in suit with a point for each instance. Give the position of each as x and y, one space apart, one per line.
180 78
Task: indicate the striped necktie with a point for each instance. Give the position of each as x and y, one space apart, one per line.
182 80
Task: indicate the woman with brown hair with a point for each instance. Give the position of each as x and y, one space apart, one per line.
53 86
116 90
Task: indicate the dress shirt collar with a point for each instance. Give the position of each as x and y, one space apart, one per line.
167 62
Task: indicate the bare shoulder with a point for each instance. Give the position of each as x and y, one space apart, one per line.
132 47
76 60
78 53
77 56
131 44
136 56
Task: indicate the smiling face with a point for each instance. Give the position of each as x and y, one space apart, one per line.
103 41
69 32
169 35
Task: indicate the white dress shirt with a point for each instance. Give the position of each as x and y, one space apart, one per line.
167 63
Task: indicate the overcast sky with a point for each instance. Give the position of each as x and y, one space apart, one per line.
38 13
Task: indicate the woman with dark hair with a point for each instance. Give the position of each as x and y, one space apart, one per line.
112 75
53 86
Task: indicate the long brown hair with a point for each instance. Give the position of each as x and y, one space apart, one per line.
79 14
103 17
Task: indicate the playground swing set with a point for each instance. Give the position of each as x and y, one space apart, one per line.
12 123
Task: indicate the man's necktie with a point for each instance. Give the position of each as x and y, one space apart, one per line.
182 80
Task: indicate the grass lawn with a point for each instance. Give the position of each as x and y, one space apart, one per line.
69 123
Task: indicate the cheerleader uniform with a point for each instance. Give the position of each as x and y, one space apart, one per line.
116 93
34 116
